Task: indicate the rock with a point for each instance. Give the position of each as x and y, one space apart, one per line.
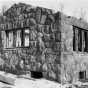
43 59
51 17
47 37
47 29
43 19
57 36
32 22
57 46
38 14
38 66
44 67
28 67
52 75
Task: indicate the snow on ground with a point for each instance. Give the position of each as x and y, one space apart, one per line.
22 82
40 83
25 81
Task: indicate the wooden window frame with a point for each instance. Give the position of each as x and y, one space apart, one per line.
24 35
80 37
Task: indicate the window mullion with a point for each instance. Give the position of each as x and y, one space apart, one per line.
83 41
76 39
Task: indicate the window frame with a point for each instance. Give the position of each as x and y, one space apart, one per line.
24 34
83 40
15 36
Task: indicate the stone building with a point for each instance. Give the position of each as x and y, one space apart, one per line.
39 40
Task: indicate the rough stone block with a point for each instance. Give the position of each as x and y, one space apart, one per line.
44 67
52 75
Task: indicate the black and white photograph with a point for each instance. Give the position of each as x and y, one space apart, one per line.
43 43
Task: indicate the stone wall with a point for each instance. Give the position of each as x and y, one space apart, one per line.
40 58
72 62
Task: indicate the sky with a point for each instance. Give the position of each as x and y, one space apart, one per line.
69 7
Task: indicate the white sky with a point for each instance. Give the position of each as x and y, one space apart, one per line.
71 7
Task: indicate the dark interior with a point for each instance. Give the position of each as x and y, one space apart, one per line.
82 75
36 74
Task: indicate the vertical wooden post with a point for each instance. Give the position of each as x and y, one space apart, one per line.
83 41
14 38
87 41
22 38
7 39
76 39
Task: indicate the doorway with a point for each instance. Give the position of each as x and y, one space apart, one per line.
82 75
